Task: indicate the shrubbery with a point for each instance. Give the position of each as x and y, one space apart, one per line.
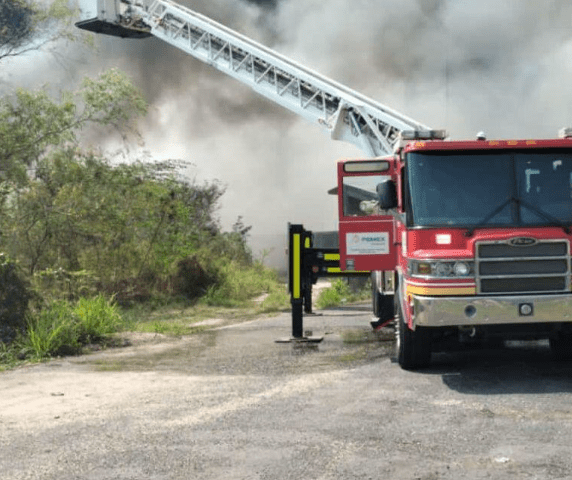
340 293
237 284
82 228
64 328
14 297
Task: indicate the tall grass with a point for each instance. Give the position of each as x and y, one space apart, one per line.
52 331
341 293
63 328
97 318
239 284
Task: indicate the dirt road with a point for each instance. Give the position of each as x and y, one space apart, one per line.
232 404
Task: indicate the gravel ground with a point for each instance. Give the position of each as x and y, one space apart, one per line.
230 403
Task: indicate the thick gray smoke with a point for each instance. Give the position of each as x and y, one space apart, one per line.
497 65
502 66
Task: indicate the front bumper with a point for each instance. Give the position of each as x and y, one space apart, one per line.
474 311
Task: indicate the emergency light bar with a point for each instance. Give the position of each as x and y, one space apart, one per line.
424 134
366 166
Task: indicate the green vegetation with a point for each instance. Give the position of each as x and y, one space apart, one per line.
63 328
87 240
341 293
239 284
27 25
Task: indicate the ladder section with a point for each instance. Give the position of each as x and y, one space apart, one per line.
345 114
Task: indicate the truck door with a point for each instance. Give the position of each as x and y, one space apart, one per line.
366 232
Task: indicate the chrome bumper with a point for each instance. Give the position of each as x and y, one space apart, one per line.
473 311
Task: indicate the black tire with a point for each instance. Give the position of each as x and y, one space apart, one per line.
561 346
413 347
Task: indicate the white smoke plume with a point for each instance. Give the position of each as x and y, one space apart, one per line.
502 66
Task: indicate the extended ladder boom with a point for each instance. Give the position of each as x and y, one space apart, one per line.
345 114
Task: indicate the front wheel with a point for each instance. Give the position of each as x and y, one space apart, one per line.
413 347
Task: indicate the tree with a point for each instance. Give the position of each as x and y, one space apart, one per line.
32 124
36 133
26 25
118 222
68 212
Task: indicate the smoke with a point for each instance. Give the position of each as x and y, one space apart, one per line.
502 66
498 66
465 66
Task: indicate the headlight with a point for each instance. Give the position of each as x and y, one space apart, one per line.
461 269
441 268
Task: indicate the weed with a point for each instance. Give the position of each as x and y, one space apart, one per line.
62 328
52 331
239 284
335 295
276 300
97 318
8 355
340 293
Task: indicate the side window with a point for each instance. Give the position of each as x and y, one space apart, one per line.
360 195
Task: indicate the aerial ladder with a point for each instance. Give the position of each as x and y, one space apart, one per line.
341 112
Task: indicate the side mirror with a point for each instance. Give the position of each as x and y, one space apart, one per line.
387 194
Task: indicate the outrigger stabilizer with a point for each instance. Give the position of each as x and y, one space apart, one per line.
306 264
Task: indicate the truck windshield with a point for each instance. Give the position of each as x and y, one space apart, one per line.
490 188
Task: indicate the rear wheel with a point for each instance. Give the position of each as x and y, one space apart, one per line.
413 347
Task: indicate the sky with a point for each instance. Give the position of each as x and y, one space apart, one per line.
499 66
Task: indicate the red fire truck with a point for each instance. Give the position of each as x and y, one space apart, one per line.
470 240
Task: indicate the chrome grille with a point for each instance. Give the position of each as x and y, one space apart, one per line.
540 268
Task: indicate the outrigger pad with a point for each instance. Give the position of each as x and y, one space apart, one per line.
300 340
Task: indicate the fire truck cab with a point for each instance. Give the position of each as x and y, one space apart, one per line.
469 240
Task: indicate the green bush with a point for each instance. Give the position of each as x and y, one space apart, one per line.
52 331
238 284
7 355
62 284
15 295
340 293
277 299
97 318
63 328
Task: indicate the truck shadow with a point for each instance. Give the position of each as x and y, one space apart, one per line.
518 368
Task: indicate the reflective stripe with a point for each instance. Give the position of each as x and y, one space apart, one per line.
413 290
347 272
296 266
332 256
